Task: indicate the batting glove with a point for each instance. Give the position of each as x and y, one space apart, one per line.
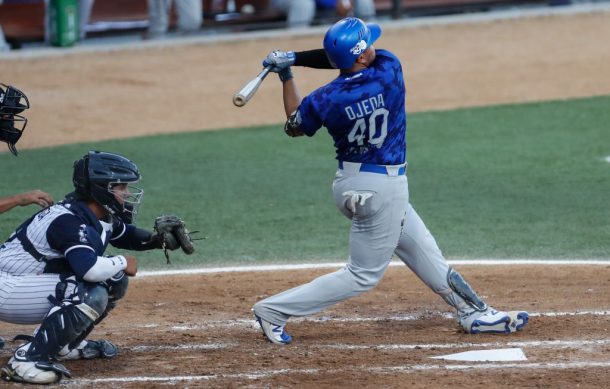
279 60
285 74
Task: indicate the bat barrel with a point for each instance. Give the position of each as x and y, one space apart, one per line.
245 94
239 100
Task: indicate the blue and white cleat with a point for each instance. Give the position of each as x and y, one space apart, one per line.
273 333
495 322
518 320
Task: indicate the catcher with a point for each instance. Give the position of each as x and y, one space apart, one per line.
53 271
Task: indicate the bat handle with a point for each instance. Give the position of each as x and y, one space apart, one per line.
264 72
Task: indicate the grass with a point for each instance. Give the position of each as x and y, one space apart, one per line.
509 181
516 181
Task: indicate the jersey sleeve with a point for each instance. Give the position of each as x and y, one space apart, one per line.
118 229
69 236
81 261
308 119
67 233
134 238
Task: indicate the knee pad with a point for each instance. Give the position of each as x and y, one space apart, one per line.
117 286
69 320
62 326
94 300
91 298
95 305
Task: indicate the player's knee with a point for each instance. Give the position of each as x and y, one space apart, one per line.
263 307
117 287
96 298
365 285
364 279
257 308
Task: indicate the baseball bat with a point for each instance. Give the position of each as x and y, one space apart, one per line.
245 94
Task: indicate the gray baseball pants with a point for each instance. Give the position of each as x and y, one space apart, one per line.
385 224
376 204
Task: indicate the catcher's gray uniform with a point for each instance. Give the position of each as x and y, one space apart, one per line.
363 110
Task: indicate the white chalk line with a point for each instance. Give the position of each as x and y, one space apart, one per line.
486 366
372 369
523 344
198 346
310 266
558 344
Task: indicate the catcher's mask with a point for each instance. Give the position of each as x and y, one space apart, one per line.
107 179
12 103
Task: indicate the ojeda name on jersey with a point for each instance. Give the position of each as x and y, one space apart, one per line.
364 107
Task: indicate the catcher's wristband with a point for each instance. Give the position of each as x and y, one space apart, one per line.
285 74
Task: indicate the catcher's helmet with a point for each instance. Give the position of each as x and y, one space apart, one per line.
347 39
12 102
95 176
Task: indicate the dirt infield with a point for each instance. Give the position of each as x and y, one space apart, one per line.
197 331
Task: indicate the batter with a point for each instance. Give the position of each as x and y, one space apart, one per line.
363 110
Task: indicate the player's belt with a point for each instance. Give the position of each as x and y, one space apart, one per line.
390 170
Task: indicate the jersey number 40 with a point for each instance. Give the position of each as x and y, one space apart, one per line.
372 130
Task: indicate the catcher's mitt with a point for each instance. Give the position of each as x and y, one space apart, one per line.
172 233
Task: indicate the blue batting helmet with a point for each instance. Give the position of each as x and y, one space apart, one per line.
347 39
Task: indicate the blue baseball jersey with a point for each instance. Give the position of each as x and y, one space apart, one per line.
364 113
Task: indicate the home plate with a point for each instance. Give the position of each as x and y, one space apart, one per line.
496 355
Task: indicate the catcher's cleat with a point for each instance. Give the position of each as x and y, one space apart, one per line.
20 368
494 322
90 349
33 372
274 333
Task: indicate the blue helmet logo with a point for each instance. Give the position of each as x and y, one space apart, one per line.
347 39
